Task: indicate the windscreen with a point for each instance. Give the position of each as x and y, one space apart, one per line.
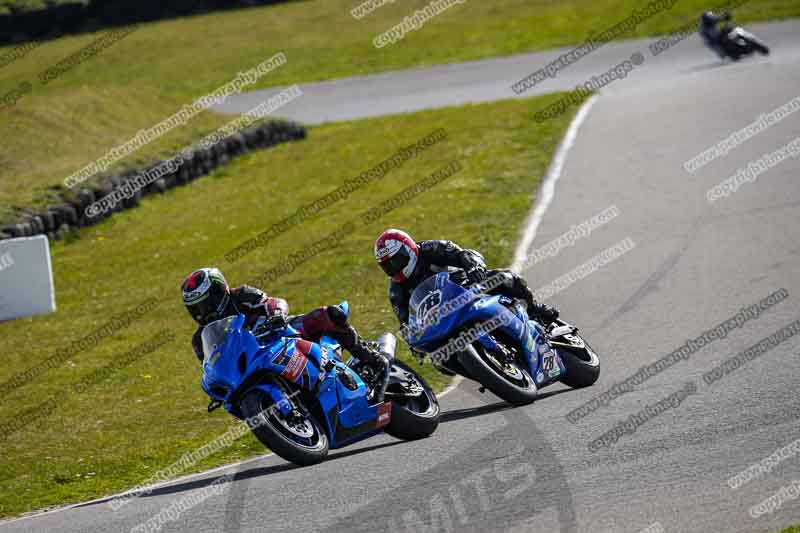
424 300
214 335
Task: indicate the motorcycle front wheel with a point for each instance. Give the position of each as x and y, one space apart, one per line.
759 47
508 381
299 439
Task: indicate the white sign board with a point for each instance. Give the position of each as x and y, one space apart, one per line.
26 278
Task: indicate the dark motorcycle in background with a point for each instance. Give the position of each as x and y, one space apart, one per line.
733 42
738 42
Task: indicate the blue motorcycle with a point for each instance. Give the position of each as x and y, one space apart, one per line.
491 340
300 399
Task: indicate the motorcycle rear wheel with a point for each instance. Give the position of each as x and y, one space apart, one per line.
412 417
581 362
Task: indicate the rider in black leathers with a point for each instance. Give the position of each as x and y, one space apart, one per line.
208 297
711 31
409 263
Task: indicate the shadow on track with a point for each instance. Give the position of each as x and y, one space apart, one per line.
245 474
510 478
717 65
487 409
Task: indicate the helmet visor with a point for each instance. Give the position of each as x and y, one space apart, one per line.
204 311
211 306
395 264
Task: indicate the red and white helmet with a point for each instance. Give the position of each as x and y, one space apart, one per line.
397 254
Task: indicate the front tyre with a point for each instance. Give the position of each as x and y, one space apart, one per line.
508 381
415 409
298 439
760 47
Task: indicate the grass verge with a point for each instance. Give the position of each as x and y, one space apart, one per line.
58 128
144 416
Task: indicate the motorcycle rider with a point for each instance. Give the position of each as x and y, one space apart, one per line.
208 297
712 33
408 264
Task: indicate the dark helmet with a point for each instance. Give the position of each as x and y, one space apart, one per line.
708 18
206 295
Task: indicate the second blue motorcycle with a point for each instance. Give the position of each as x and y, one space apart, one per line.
491 340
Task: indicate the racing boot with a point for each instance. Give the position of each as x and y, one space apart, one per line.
517 287
540 312
367 352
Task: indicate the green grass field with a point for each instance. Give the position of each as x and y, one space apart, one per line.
25 5
146 415
86 447
60 127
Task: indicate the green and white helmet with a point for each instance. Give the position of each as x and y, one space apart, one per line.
206 295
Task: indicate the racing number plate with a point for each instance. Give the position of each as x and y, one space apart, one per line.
428 306
549 365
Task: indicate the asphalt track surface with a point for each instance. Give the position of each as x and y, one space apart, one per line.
694 265
490 80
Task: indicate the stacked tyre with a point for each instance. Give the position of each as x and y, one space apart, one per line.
71 214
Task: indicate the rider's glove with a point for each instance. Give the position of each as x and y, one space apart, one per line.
276 321
476 274
418 355
544 312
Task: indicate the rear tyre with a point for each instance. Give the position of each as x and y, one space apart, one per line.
301 441
513 385
413 417
581 362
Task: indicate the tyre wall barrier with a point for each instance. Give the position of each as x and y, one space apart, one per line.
70 213
75 16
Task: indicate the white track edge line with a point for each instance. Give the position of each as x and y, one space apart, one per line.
547 191
37 514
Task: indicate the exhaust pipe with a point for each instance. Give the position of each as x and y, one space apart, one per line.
387 345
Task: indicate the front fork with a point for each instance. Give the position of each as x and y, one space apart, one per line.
276 393
549 366
280 399
544 362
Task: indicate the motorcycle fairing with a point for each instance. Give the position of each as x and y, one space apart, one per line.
239 364
544 363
